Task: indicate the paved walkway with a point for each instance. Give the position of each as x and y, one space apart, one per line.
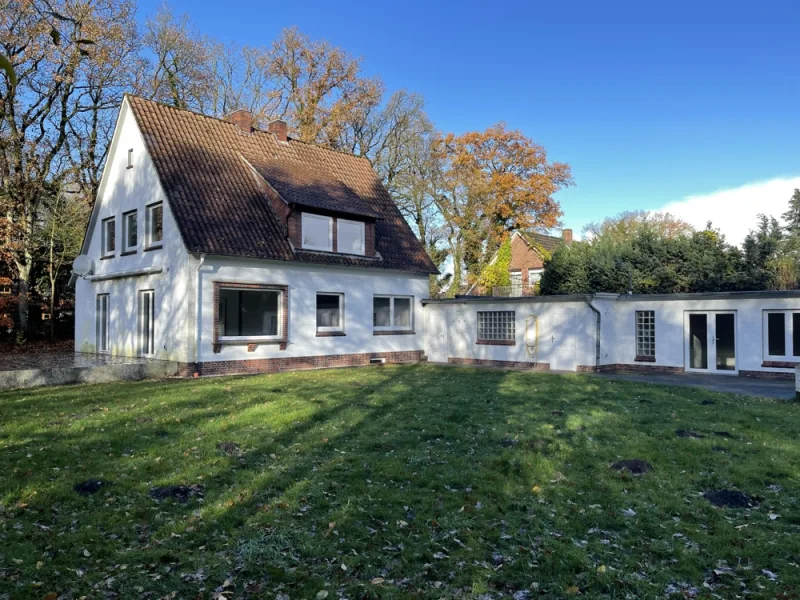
768 388
64 360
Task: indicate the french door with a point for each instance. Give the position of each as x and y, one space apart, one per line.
146 318
711 342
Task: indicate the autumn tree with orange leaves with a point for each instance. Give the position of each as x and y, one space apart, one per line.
493 182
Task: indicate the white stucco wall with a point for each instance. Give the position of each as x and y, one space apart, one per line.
670 317
304 281
566 332
122 190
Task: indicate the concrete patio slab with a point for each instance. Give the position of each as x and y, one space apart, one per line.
24 371
765 388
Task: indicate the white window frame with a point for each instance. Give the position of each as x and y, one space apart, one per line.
254 338
642 338
125 226
392 326
150 350
498 326
532 271
310 216
340 326
104 225
102 309
788 332
363 235
149 243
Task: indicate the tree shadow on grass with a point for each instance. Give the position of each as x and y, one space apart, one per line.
410 474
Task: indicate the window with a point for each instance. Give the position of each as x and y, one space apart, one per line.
516 283
245 313
645 334
392 313
130 159
147 346
109 236
534 276
330 312
101 323
317 232
496 326
350 236
5 289
782 333
130 231
154 225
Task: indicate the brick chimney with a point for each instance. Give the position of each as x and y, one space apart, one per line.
566 236
280 128
243 119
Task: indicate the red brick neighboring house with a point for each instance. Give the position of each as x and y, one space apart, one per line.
528 252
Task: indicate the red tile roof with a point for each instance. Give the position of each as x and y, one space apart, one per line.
219 208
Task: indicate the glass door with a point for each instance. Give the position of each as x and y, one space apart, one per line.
711 342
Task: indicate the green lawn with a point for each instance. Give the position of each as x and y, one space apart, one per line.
396 482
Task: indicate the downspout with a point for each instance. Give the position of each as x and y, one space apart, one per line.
589 303
197 296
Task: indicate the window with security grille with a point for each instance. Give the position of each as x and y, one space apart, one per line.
646 333
496 326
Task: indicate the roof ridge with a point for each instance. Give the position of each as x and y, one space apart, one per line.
255 129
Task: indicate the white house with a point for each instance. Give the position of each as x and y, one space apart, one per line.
231 249
228 249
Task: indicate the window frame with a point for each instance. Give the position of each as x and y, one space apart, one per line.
392 327
481 328
101 299
150 351
329 329
791 354
537 272
126 249
105 252
644 339
303 217
251 338
149 244
363 228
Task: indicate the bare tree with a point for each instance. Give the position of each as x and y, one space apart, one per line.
35 114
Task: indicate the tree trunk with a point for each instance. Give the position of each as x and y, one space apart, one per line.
23 300
52 310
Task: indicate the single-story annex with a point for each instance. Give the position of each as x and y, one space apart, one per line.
230 249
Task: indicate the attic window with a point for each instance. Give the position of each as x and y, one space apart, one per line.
350 236
130 158
317 232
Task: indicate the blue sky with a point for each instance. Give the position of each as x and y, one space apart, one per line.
691 105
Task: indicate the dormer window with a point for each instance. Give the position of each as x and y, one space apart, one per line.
317 232
350 236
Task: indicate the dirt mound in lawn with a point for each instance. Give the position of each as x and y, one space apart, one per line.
636 466
729 499
181 493
685 433
90 486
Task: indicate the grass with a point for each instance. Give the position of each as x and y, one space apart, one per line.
396 482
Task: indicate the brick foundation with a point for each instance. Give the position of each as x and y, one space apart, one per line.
508 364
767 375
273 365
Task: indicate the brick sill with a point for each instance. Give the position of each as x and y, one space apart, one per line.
107 256
778 364
496 343
331 334
645 359
390 332
127 253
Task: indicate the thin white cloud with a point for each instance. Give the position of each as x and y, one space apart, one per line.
734 211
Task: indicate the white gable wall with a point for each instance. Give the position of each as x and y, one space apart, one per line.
121 190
